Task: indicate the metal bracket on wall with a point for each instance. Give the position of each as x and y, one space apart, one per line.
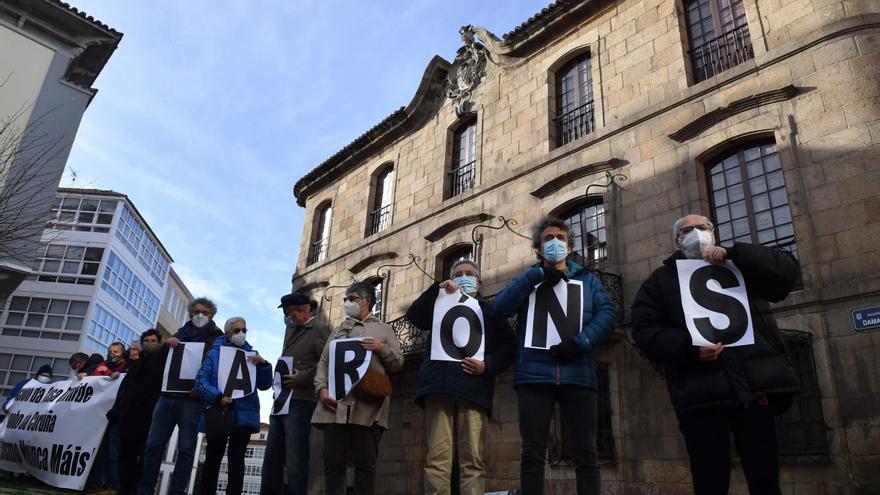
477 238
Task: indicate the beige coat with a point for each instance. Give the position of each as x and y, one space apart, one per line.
390 360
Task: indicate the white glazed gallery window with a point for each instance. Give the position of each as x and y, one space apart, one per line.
104 329
139 244
68 264
16 367
45 318
82 214
129 290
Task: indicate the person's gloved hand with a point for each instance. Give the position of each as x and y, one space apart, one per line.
552 275
566 352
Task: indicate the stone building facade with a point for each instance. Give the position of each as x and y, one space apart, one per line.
621 116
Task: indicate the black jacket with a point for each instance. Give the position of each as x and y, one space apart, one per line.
139 391
447 377
740 374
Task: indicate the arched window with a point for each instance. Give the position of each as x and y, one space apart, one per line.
320 233
448 257
749 198
588 234
463 169
575 112
718 34
377 283
379 217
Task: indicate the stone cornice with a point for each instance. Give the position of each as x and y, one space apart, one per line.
448 227
369 260
573 175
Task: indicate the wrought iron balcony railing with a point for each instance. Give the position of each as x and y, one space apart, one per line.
728 50
575 124
379 219
317 251
462 178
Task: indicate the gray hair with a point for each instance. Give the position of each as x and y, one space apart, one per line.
464 261
676 227
204 301
227 327
364 290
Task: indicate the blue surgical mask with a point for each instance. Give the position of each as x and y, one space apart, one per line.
555 250
467 283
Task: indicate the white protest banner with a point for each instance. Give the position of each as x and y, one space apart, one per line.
348 363
236 376
281 394
715 303
53 430
555 313
457 328
182 366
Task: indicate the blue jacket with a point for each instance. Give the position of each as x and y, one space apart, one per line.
537 365
447 377
247 408
14 393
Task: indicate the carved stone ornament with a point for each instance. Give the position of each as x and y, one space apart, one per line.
467 71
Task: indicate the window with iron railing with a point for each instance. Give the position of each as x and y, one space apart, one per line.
588 234
574 100
317 251
320 231
801 430
718 35
379 217
462 175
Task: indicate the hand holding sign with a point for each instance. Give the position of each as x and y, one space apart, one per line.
457 328
715 304
236 374
280 390
555 313
349 361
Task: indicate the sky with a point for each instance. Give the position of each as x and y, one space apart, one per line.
209 112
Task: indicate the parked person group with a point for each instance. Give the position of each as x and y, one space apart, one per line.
715 389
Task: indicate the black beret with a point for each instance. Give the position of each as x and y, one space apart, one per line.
295 299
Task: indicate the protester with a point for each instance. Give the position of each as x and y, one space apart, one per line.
287 446
353 428
457 396
716 390
566 372
77 361
134 352
227 420
86 365
183 410
104 476
114 364
135 400
43 375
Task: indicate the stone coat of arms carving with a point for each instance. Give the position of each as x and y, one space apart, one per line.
467 71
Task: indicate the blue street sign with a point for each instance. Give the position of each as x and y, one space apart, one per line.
866 318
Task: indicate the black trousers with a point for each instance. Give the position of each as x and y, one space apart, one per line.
237 440
360 444
133 442
578 407
707 437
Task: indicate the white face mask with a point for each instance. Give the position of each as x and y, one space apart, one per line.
351 308
696 242
199 320
238 339
43 379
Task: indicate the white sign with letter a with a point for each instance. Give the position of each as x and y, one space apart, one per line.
348 364
236 376
182 365
715 303
457 329
555 314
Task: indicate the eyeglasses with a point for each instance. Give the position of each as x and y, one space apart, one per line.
200 312
239 330
689 228
353 298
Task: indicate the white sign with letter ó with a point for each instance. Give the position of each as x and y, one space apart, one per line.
457 329
715 303
236 376
281 394
348 364
555 313
182 365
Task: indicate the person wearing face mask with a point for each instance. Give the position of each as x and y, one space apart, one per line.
716 390
135 400
180 409
457 396
287 445
566 372
104 474
352 427
114 363
43 375
245 410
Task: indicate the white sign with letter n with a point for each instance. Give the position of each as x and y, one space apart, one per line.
555 314
457 329
715 303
